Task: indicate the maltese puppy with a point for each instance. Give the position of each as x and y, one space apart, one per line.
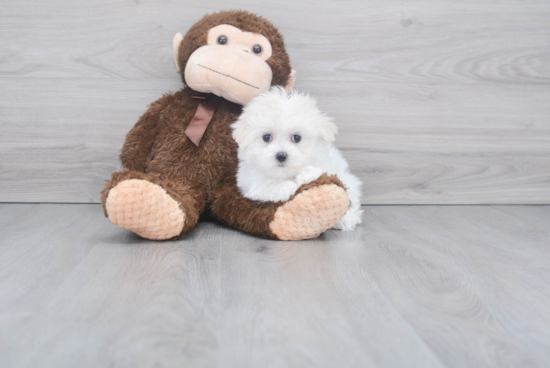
285 142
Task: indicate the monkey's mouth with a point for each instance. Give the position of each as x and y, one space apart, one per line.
228 76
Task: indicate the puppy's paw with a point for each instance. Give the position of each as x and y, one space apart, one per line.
349 221
308 175
286 190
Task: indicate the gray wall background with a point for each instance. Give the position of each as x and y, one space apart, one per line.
438 102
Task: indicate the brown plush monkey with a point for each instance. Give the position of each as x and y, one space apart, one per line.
180 159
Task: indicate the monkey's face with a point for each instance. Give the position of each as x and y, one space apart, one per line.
231 65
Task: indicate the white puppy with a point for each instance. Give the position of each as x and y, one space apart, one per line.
285 142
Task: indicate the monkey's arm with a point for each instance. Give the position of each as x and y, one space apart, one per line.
315 208
137 149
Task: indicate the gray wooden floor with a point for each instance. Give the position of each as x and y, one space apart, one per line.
421 286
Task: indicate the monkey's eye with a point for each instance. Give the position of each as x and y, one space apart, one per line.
267 137
296 138
222 40
257 49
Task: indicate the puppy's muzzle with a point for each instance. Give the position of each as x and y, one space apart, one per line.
281 157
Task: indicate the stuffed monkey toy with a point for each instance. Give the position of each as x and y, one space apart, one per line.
180 160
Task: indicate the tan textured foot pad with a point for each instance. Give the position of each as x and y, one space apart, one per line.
145 209
310 213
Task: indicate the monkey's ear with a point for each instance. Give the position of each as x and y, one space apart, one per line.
329 129
291 81
176 45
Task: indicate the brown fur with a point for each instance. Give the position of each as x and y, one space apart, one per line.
202 179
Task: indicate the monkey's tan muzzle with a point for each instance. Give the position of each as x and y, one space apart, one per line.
228 72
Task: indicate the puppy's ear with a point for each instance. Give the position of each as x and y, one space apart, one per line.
240 133
328 129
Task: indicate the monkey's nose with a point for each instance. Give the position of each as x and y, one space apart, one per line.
281 156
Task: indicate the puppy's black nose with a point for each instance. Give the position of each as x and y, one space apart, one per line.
281 156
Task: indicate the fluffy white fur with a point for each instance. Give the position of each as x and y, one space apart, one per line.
282 115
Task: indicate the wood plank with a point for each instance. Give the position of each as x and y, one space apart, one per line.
426 286
102 311
448 144
470 267
418 41
311 304
438 102
63 146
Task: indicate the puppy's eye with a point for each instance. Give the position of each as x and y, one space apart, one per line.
296 138
267 137
222 40
257 49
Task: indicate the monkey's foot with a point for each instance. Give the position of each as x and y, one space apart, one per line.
310 213
145 209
